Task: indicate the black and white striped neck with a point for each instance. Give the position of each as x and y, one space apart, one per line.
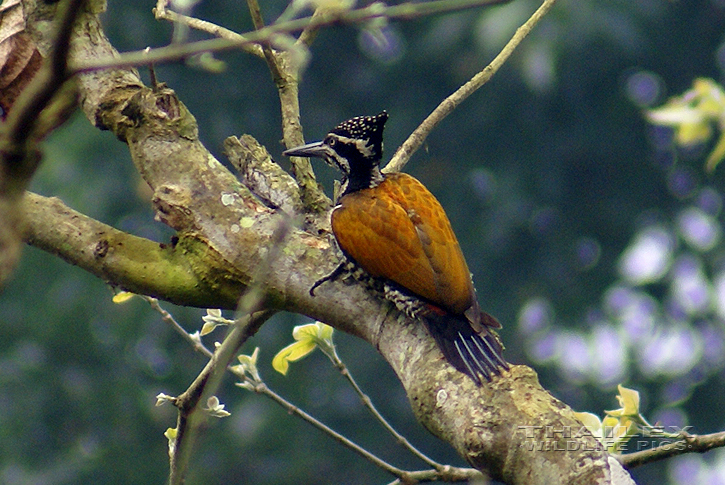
362 177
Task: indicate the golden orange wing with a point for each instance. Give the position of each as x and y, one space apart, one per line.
399 231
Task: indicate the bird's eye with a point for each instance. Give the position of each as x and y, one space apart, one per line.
331 142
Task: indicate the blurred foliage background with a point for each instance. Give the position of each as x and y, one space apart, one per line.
595 241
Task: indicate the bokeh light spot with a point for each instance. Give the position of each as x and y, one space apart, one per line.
643 88
536 314
698 229
588 250
649 256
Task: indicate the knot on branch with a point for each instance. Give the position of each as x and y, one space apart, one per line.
159 110
101 249
172 206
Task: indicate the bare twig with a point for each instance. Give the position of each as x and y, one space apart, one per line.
162 13
261 388
252 315
169 318
307 36
269 55
285 74
441 472
367 402
204 386
450 474
404 11
688 444
416 139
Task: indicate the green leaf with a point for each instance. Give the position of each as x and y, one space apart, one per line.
591 421
629 400
208 328
291 353
309 337
123 297
717 155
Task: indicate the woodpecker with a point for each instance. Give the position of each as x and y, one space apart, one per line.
397 238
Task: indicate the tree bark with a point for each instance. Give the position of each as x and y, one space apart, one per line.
511 429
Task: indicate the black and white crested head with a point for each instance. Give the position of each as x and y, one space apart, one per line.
360 137
355 147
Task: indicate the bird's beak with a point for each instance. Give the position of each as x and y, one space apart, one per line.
316 149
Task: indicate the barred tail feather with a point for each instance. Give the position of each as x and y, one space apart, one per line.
478 355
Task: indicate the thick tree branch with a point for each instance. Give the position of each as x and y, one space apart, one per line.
511 428
170 271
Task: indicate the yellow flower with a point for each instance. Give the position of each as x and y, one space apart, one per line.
709 96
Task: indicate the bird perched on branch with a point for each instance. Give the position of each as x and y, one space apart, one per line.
397 238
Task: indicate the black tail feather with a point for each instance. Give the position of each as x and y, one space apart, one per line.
478 355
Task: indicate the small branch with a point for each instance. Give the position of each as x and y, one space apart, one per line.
416 139
404 11
203 387
450 474
253 315
307 36
367 402
161 13
261 388
446 473
169 318
269 54
688 444
285 73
